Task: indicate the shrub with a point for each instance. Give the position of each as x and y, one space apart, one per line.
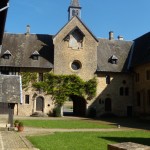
57 112
16 122
20 124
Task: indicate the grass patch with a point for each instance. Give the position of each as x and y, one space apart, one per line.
88 140
65 124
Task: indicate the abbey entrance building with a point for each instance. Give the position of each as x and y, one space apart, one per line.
122 68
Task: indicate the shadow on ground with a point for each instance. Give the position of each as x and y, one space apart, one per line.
135 123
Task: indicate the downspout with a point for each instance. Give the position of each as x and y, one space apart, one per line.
2 9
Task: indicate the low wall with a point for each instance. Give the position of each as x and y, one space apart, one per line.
128 146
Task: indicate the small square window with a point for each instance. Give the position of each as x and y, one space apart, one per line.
107 79
6 56
40 77
35 57
121 91
27 98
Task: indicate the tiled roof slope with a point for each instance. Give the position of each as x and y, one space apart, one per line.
141 50
108 48
22 46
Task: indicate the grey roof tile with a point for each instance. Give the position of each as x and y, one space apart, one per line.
108 48
141 50
22 46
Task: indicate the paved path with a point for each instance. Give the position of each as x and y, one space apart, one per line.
10 140
28 131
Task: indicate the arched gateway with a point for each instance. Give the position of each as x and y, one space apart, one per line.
79 105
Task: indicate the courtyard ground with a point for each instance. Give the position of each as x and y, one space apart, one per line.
15 140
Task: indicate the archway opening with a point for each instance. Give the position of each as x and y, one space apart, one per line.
76 106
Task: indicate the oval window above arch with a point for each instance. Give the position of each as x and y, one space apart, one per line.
76 65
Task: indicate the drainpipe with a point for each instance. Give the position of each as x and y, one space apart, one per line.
4 5
2 9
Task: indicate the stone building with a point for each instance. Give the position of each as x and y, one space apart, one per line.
121 67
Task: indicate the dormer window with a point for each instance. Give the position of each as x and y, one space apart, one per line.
113 59
6 54
35 55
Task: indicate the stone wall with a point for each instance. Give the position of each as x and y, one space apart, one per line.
128 146
28 108
119 102
65 53
142 85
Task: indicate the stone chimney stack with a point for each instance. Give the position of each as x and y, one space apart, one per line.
120 38
111 35
28 29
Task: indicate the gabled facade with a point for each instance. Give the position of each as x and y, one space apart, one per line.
72 46
75 50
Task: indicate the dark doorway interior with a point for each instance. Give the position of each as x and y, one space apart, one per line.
129 111
108 107
79 106
39 104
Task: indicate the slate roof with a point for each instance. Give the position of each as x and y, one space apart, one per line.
22 46
108 48
141 50
11 93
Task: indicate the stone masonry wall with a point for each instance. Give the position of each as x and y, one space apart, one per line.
142 86
112 91
64 55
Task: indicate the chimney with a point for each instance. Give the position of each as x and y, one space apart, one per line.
111 35
120 38
28 29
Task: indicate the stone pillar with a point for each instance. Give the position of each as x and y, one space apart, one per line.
11 114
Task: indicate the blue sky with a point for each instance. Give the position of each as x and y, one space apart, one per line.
129 18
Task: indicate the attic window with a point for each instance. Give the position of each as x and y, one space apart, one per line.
35 55
113 59
75 39
6 54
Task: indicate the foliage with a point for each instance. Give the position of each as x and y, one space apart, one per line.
91 88
16 121
28 77
20 124
62 86
57 112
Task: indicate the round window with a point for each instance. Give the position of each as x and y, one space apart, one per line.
76 65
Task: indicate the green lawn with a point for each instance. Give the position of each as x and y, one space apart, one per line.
66 124
88 140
